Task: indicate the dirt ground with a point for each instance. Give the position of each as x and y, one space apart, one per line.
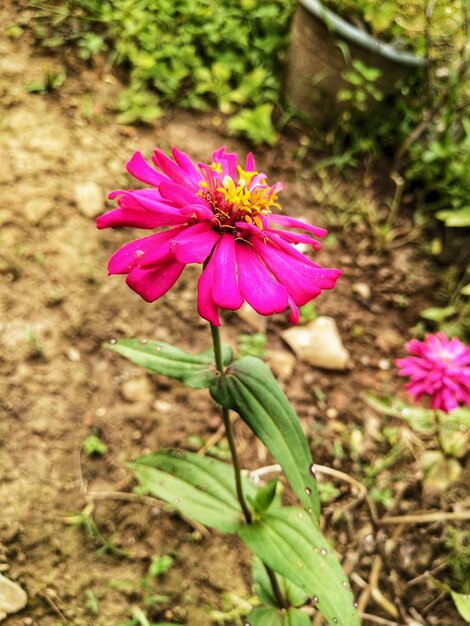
59 384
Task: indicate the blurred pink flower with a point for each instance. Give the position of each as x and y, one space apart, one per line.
219 215
439 368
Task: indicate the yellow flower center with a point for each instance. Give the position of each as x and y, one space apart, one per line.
234 202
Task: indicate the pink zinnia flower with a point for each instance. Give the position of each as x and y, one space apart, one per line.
218 215
439 368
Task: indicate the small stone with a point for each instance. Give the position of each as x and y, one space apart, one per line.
384 364
73 355
89 198
12 597
332 413
281 362
162 406
37 209
252 318
318 343
137 390
362 290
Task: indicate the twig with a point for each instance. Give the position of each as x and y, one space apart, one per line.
426 574
53 605
425 518
379 620
213 440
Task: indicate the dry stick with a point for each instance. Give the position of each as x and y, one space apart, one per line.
379 620
425 518
213 440
53 605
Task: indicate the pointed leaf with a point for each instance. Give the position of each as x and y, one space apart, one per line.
462 603
200 487
195 370
265 496
270 616
287 541
249 388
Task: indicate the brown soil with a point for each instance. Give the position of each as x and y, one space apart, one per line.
59 383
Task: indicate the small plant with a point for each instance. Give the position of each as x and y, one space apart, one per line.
254 345
93 445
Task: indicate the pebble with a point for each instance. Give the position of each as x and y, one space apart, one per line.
362 290
137 390
318 343
12 597
281 362
252 318
384 364
37 209
89 198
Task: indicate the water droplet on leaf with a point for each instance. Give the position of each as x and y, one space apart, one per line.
324 551
112 341
316 599
308 491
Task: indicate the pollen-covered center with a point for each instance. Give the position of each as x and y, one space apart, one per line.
245 200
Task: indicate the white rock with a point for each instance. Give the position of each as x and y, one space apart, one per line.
281 362
137 390
318 343
362 290
35 210
12 597
89 198
252 318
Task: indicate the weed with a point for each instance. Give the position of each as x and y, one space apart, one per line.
93 445
252 345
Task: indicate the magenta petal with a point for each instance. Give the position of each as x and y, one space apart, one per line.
205 305
290 222
153 282
302 281
137 219
174 171
186 164
177 194
138 167
194 244
225 291
257 286
250 163
136 253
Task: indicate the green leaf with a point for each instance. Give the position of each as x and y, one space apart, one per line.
420 418
457 219
256 124
265 496
438 314
264 590
461 600
160 565
195 370
200 487
287 541
462 604
270 616
249 388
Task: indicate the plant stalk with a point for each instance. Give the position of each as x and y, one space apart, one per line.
219 363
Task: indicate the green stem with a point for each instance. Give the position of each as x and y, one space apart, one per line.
219 363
